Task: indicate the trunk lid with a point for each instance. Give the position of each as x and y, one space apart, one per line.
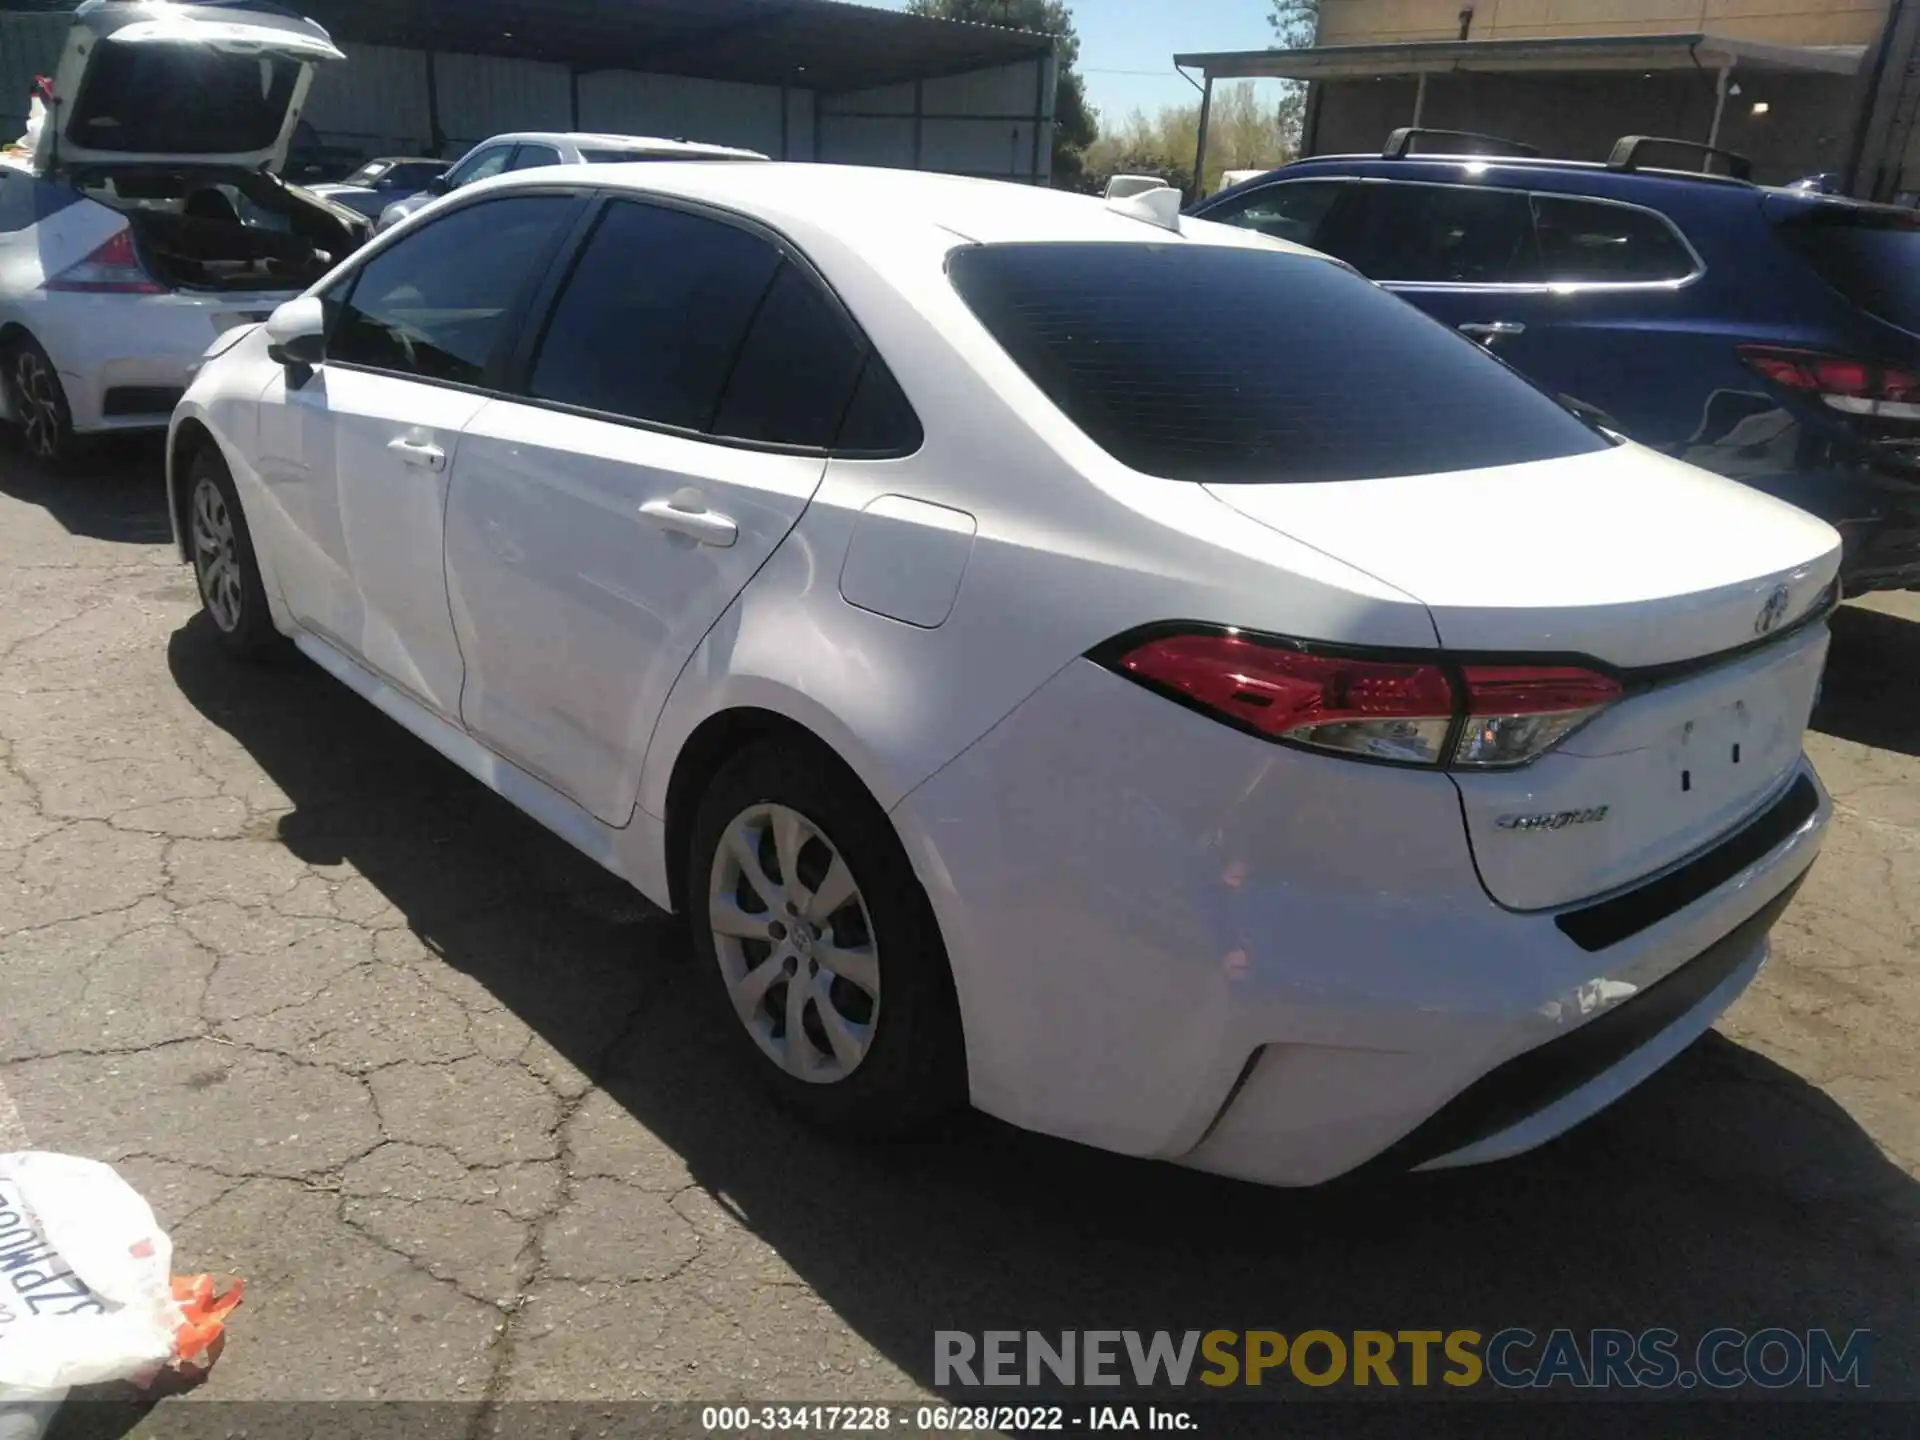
207 84
1630 561
1624 555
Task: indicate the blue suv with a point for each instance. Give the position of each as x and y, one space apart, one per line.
1771 335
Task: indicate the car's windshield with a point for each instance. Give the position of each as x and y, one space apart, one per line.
1228 365
369 172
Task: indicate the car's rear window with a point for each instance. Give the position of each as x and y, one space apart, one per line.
1226 365
1871 258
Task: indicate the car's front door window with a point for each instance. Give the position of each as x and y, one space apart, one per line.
435 305
480 165
1442 235
532 157
1294 210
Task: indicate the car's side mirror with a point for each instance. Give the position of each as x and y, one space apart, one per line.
297 332
439 185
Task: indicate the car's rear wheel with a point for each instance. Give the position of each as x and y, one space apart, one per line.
231 590
38 401
806 911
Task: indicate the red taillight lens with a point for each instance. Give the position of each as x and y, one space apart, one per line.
113 269
1385 709
1398 710
1862 387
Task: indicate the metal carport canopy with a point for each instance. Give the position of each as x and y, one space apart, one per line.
1696 50
821 45
1699 50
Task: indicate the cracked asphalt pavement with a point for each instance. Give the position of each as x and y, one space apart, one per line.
452 1100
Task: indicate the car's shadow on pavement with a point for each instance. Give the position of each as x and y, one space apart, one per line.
1727 1191
114 489
1872 691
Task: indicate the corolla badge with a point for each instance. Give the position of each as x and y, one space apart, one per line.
1773 612
1556 820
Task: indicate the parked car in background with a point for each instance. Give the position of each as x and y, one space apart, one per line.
1772 335
506 153
378 183
312 161
1119 670
150 217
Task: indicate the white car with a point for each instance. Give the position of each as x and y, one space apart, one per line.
123 248
1120 671
532 151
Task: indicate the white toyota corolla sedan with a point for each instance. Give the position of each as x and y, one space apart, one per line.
1124 673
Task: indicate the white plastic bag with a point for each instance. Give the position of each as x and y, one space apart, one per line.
86 1290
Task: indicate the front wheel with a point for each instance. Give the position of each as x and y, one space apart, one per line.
231 590
806 911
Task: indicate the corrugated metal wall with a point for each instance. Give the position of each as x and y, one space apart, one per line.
624 102
480 95
377 100
30 45
980 123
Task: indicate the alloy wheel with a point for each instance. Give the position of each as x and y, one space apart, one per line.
795 943
216 557
36 395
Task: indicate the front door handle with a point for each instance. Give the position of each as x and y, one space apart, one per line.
686 513
1487 331
421 454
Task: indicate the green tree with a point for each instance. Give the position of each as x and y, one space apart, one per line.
1076 124
1295 22
1242 134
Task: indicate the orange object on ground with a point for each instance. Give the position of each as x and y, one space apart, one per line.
205 1302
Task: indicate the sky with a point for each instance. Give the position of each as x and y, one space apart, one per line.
1127 46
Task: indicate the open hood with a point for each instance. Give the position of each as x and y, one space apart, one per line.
146 82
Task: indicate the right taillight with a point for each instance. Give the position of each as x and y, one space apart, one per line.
1516 713
111 269
1408 711
1843 382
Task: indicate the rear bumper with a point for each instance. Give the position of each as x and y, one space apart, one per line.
1173 940
123 359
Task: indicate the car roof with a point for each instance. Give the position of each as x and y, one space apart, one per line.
854 202
1578 177
639 144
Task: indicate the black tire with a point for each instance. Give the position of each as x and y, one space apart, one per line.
38 402
913 1072
224 565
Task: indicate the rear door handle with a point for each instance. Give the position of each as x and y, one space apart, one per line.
421 454
1486 330
686 514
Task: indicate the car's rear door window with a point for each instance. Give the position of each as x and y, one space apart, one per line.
653 316
685 320
1229 365
1591 242
796 370
1295 210
1440 235
1870 256
436 303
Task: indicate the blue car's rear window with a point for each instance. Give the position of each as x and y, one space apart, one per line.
1872 257
1223 365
